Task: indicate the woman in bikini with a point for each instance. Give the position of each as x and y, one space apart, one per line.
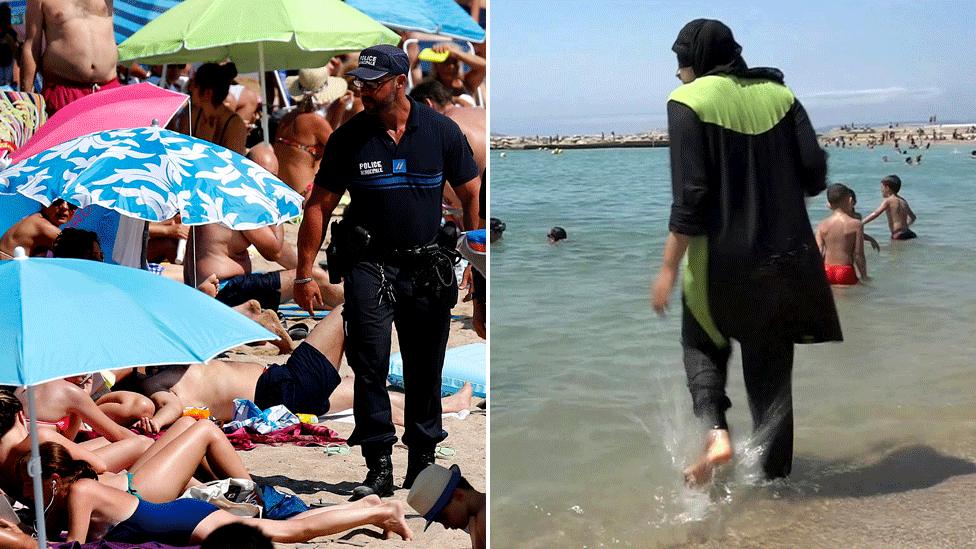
64 404
302 134
211 120
74 500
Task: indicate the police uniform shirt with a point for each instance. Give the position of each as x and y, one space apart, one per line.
397 187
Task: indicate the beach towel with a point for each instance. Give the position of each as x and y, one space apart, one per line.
21 114
302 434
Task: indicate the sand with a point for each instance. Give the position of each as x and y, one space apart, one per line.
318 478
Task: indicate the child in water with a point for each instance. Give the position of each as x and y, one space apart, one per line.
840 238
900 214
870 239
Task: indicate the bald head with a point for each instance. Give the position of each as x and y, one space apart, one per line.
263 155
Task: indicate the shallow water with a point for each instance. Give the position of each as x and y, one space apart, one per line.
591 421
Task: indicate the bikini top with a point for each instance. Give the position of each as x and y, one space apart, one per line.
316 150
61 425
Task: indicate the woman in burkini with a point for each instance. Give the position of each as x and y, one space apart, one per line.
302 134
74 499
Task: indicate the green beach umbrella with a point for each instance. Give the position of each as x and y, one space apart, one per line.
284 34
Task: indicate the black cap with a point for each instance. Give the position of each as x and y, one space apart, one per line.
379 61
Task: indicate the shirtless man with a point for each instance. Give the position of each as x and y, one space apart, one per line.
308 383
36 232
471 120
72 42
900 214
218 250
840 238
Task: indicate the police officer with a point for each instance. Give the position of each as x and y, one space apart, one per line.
393 158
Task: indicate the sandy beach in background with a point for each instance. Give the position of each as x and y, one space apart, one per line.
321 479
659 138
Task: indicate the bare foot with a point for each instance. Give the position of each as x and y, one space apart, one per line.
718 450
460 400
395 522
269 319
209 286
250 308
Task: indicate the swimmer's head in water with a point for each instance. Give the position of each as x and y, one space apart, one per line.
497 226
556 234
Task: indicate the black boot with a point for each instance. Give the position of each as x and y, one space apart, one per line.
417 462
379 480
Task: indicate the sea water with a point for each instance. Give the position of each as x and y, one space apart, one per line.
591 419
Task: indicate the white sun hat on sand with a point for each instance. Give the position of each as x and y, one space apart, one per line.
432 490
317 82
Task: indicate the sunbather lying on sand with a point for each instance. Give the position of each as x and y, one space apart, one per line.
91 510
160 469
308 383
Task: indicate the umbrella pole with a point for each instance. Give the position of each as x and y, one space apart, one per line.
34 469
264 93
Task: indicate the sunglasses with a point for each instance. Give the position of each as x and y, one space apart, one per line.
370 85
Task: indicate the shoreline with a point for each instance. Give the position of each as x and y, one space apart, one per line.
965 134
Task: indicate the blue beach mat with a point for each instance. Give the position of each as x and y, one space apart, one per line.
292 310
461 364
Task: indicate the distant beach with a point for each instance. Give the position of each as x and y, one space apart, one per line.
857 135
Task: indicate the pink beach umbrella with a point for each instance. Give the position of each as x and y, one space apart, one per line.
132 106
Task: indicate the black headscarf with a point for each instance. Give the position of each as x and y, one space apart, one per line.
707 46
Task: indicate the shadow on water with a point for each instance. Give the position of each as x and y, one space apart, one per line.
904 469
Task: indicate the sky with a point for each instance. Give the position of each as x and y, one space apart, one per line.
591 66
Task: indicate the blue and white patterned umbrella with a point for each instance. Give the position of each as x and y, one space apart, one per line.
153 174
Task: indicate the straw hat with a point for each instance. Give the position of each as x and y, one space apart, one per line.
317 82
432 490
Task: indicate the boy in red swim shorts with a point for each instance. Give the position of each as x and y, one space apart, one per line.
840 238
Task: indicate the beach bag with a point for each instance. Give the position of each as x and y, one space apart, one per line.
279 505
234 495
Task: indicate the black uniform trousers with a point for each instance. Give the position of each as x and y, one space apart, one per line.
423 322
767 367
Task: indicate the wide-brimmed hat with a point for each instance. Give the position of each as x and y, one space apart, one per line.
317 82
432 490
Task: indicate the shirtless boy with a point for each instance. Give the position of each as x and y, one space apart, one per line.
900 214
840 238
37 232
308 383
72 42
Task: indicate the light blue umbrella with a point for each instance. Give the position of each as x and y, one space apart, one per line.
152 173
443 17
64 317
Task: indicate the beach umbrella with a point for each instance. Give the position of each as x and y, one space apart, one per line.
64 317
123 107
441 17
285 34
153 174
132 15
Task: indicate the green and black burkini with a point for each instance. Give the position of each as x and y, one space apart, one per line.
743 158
